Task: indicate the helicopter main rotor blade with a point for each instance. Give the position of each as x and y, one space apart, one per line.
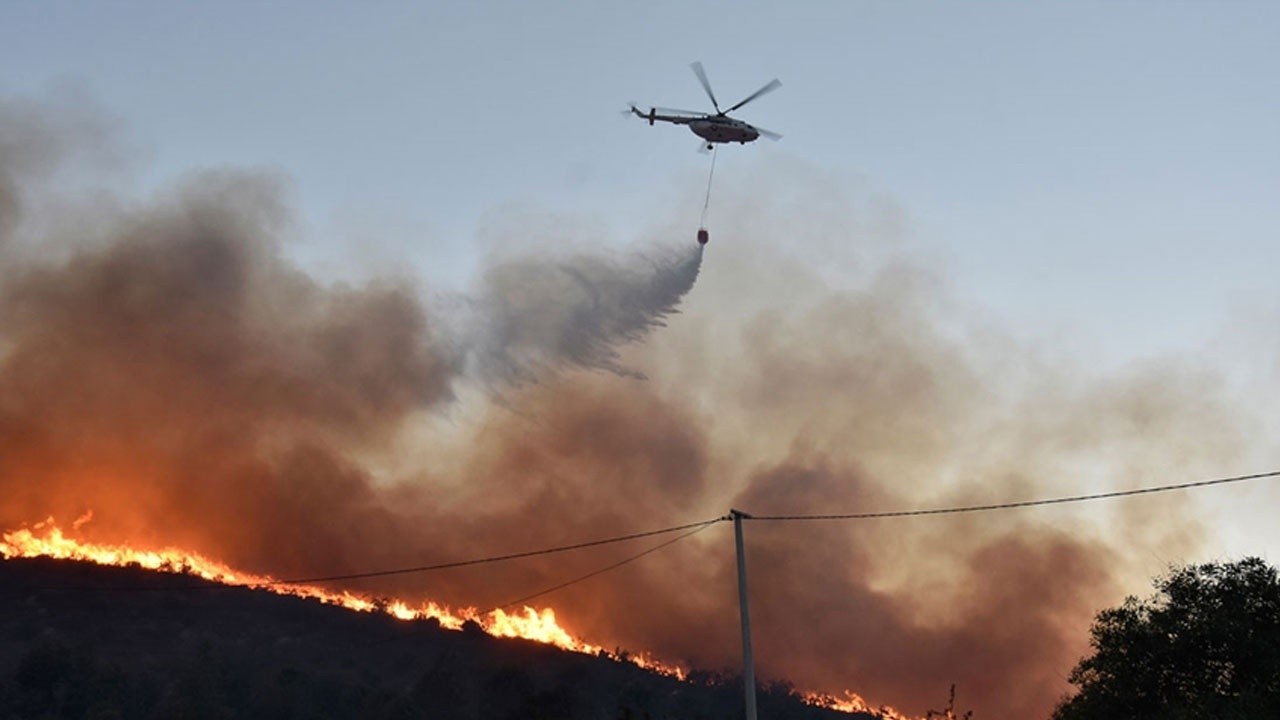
772 85
767 133
702 78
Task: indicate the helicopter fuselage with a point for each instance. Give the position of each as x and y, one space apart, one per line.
716 129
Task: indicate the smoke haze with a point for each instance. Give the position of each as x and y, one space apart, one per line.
175 372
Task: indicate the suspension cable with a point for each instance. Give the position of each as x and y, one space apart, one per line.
702 222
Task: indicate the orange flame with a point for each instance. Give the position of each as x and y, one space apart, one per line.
849 701
46 539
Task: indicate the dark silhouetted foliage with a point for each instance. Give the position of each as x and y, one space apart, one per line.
1207 645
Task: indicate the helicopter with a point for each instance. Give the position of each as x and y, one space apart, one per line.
717 127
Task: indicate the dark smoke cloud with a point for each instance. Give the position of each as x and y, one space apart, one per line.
191 386
186 373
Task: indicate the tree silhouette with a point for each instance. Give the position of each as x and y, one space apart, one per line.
1206 645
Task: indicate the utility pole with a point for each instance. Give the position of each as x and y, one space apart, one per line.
748 661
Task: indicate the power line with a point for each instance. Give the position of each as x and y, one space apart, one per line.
581 578
500 558
1019 504
698 526
219 584
607 568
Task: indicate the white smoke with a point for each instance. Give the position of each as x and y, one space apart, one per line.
534 315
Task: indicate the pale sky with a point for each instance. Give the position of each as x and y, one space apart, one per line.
1100 174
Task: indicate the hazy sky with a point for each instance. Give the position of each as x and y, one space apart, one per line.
1100 179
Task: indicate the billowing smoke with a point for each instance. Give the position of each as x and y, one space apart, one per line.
174 372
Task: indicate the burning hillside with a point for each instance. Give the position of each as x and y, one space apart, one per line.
46 539
78 640
165 364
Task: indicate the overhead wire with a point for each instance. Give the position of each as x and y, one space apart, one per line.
500 558
691 528
607 568
574 581
1021 503
217 585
